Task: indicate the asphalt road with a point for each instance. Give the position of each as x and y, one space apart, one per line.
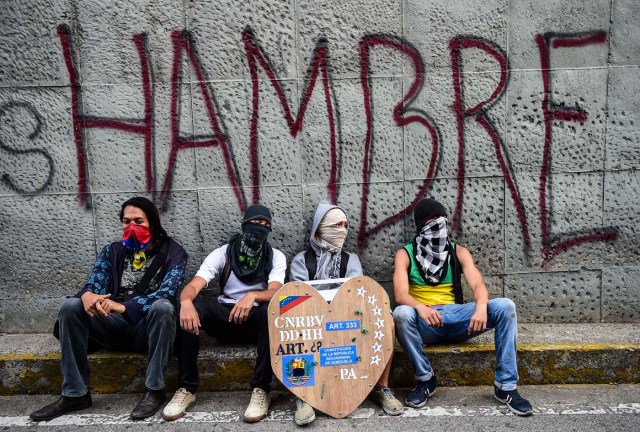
557 408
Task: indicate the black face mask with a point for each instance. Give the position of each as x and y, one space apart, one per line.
254 234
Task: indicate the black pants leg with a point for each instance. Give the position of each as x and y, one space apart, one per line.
214 320
263 374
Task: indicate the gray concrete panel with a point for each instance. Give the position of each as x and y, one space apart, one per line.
575 146
436 101
106 50
430 26
528 19
344 24
47 251
564 297
621 209
623 134
116 158
31 54
385 161
234 111
384 200
574 210
35 314
625 34
217 29
621 294
37 149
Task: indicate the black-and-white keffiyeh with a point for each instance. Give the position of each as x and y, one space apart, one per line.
431 250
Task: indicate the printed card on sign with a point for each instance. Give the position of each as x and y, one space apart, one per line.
331 355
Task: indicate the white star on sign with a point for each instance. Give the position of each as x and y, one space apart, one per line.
375 360
372 299
377 347
361 291
376 311
379 335
380 323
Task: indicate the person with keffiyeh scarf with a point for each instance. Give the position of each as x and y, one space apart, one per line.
249 272
428 290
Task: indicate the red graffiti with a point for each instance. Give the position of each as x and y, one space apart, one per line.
182 42
256 56
399 111
480 111
403 114
552 112
80 121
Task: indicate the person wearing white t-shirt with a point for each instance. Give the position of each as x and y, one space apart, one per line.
250 273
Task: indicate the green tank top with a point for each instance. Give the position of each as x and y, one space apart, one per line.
443 293
414 275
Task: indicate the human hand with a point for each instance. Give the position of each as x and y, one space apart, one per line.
107 306
431 316
478 321
89 301
189 319
241 309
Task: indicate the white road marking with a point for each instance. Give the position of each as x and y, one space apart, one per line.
287 415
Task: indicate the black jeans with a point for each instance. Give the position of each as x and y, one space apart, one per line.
214 320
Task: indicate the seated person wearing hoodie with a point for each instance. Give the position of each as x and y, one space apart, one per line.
325 259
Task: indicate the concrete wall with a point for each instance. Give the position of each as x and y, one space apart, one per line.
521 116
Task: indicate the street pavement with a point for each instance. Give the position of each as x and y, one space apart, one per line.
557 408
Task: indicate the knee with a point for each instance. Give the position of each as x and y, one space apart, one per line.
70 307
162 309
404 316
504 307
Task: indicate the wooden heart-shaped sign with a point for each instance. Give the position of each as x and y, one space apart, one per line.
331 355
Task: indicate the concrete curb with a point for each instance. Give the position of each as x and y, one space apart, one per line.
230 367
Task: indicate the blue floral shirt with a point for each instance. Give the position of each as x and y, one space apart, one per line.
100 281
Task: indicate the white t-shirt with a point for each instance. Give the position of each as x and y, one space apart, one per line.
235 289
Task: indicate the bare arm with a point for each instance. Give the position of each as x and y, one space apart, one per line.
241 309
481 295
189 320
401 291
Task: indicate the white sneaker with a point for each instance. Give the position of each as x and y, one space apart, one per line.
258 406
304 413
175 409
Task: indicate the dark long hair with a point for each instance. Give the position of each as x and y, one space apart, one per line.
149 209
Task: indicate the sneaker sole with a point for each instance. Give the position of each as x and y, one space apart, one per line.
412 405
253 419
173 417
304 422
393 413
513 410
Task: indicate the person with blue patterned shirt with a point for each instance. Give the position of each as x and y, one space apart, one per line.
128 303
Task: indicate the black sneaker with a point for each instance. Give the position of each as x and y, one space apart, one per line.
516 403
417 398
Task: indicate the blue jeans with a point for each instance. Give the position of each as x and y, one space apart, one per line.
154 333
413 333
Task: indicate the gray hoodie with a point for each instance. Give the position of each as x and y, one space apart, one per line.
298 269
